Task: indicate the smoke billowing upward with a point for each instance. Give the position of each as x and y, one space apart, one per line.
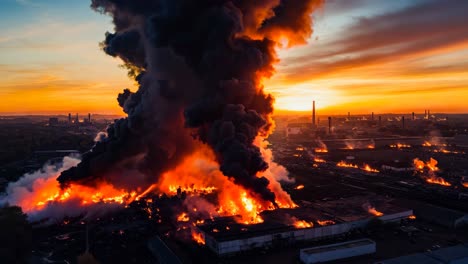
199 67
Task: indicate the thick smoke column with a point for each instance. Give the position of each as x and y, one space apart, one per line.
199 66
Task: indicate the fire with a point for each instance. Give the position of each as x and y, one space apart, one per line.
193 189
198 237
399 146
183 217
412 217
48 192
372 210
371 146
321 150
369 169
299 187
319 160
303 224
465 184
427 144
325 222
420 165
439 181
347 165
199 174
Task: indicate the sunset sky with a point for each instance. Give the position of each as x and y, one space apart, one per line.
364 55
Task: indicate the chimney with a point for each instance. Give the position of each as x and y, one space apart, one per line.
403 122
89 117
412 116
372 116
69 118
380 121
313 114
329 125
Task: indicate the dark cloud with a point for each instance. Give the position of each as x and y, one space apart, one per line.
198 65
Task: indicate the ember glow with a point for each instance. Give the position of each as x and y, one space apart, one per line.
198 237
343 164
412 217
400 146
325 222
369 169
420 165
303 224
439 181
465 184
321 150
299 187
319 160
373 211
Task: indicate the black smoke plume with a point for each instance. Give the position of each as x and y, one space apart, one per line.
198 64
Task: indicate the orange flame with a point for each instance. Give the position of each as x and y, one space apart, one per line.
439 181
319 160
299 187
427 144
47 191
465 184
183 217
325 222
373 211
198 237
412 217
321 150
346 165
369 169
420 165
399 146
303 224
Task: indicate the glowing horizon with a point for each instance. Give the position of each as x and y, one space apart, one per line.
359 60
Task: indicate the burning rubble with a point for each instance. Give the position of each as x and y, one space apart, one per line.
365 167
428 170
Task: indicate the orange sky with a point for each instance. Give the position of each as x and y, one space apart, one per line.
364 56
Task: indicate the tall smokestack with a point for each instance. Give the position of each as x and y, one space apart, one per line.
89 117
403 122
313 114
412 116
372 118
69 118
329 125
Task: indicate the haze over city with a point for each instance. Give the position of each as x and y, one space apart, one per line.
379 55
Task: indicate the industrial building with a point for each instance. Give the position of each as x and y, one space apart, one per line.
225 236
451 255
337 251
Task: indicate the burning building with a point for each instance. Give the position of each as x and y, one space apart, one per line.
226 236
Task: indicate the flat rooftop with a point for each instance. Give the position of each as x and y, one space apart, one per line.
280 220
338 246
356 208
